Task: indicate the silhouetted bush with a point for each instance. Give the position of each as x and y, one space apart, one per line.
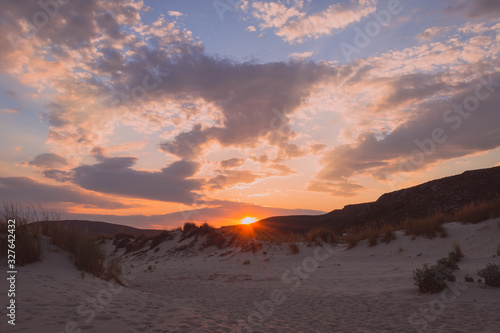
449 262
215 238
138 244
189 227
160 238
491 275
433 279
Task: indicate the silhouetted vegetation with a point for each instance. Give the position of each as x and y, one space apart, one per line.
491 275
87 254
433 279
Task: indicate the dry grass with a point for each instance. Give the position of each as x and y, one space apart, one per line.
471 213
458 250
372 235
353 237
294 248
427 226
320 235
87 254
370 232
388 234
160 238
478 211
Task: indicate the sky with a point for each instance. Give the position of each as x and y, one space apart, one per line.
152 113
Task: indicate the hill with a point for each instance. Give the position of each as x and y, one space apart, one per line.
441 195
106 229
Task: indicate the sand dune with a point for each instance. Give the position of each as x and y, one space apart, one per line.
320 289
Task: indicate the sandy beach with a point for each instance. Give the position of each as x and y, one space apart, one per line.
321 289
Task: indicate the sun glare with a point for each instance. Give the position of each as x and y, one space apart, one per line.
248 220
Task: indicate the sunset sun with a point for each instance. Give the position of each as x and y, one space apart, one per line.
248 220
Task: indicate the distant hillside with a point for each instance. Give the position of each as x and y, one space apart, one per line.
441 195
107 229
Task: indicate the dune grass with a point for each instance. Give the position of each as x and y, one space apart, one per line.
371 232
430 226
293 248
87 254
471 213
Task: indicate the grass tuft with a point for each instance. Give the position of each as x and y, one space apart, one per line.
458 250
294 248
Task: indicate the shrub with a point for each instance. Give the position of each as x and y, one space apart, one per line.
215 238
137 244
294 248
491 275
319 235
188 227
448 263
432 279
206 228
119 237
160 238
453 256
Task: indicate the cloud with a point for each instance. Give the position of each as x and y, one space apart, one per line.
251 28
474 9
23 189
430 33
341 189
232 163
283 169
114 175
231 178
48 161
443 129
175 13
301 56
252 109
10 110
295 25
